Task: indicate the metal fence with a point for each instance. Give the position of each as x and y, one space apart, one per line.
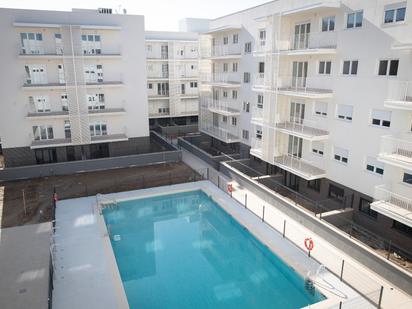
348 271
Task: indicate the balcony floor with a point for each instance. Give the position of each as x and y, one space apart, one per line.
299 167
400 158
302 131
314 93
396 209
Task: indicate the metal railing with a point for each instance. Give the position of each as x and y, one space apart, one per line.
385 195
225 50
220 133
306 85
221 77
396 148
304 127
227 107
259 80
306 169
400 92
312 40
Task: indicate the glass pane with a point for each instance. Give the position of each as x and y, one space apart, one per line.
393 69
359 18
84 37
31 36
39 36
322 67
325 24
350 21
328 67
332 23
389 15
97 38
354 69
400 14
90 38
346 65
43 133
50 132
383 66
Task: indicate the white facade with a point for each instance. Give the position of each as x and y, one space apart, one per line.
172 74
320 89
71 79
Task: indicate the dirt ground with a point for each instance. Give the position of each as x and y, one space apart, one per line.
37 193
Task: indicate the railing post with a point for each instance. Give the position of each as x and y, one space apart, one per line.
389 250
263 214
341 270
207 173
340 305
284 228
245 200
218 181
380 297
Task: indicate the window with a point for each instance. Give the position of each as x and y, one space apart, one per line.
224 119
354 20
336 193
234 66
328 23
246 107
67 129
41 104
374 166
262 35
149 48
325 67
365 207
381 118
318 148
340 154
163 110
149 86
402 228
314 185
224 93
350 67
407 178
245 134
344 112
388 67
321 109
91 44
95 101
395 13
260 101
235 38
193 84
246 77
65 106
225 40
234 94
98 129
31 43
225 67
234 121
248 48
42 132
259 133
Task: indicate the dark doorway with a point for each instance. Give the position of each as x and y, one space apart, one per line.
44 156
71 155
98 151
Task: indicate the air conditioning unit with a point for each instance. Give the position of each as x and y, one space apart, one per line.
105 11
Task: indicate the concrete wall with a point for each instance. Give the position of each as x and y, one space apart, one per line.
179 130
378 264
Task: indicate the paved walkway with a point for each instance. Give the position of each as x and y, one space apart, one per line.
24 266
327 254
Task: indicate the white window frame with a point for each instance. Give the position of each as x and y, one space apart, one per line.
245 134
355 19
325 66
98 128
318 148
340 155
373 166
320 112
388 67
345 116
40 103
381 118
95 101
43 132
328 20
395 7
351 62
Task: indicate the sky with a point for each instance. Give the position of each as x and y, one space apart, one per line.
159 14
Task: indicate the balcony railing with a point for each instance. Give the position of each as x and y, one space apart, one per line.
257 113
399 95
303 128
261 46
158 74
300 167
220 106
259 80
219 133
50 142
221 77
393 205
310 41
397 150
310 87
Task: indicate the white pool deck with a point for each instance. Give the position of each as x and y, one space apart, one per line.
87 274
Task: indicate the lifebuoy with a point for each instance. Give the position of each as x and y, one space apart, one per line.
309 243
229 188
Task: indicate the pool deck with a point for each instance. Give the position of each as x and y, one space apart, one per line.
86 270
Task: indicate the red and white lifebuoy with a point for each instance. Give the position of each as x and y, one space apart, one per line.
229 188
309 243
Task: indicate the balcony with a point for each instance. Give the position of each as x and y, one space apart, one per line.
299 167
107 111
219 133
261 47
65 114
257 114
60 86
314 43
397 151
259 82
45 143
229 80
162 96
157 75
225 51
59 56
393 205
303 128
399 95
305 87
226 108
256 147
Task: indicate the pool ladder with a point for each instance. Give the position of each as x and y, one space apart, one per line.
105 202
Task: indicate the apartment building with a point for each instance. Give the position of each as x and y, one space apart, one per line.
172 77
321 92
72 85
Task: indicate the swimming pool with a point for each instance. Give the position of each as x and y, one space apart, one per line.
184 251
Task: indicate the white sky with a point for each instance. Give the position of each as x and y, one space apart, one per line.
159 14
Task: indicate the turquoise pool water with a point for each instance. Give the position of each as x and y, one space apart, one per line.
184 251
